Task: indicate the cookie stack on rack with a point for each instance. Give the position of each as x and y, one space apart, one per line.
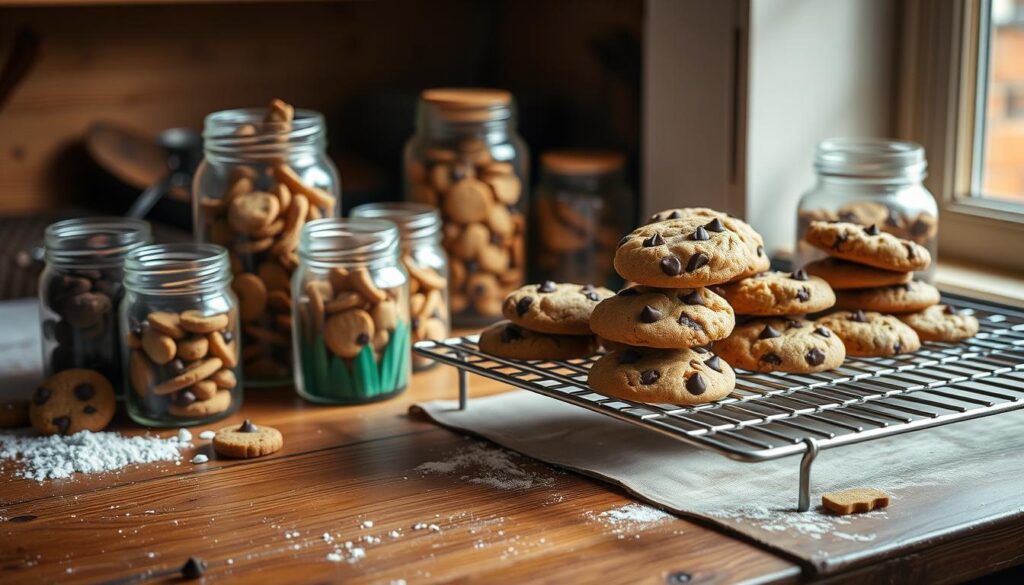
659 328
882 310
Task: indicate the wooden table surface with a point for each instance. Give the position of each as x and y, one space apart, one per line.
263 520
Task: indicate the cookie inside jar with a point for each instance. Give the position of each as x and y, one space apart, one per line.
353 326
265 175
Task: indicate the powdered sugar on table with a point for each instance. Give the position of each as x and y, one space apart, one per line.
491 466
57 457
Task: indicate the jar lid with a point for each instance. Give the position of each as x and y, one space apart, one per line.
415 221
582 162
468 104
870 158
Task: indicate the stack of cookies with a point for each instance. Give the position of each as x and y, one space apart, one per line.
659 327
547 321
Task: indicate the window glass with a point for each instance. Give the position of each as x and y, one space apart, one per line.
1002 138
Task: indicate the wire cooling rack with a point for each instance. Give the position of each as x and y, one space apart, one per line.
769 416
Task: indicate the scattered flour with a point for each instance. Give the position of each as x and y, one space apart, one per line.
207 435
484 465
199 459
58 457
184 435
633 514
812 523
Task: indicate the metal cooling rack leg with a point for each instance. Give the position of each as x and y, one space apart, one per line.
804 503
463 389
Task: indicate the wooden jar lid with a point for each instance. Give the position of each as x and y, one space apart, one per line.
467 104
582 162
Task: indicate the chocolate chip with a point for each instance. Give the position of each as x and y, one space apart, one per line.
547 287
911 253
84 391
649 314
622 242
62 423
803 295
871 230
89 409
41 395
897 347
700 234
823 332
177 366
815 357
715 225
523 305
858 316
648 377
671 266
695 385
714 363
799 275
362 339
675 215
760 251
587 288
593 296
655 240
227 336
184 398
193 568
248 427
684 320
769 332
510 333
628 292
692 298
628 356
949 310
840 240
696 261
793 323
699 349
771 358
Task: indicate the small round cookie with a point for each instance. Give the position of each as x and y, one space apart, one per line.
195 372
71 401
901 298
778 293
247 440
870 334
187 405
663 317
347 332
548 307
782 345
682 253
759 260
14 414
194 321
863 213
941 323
841 274
662 376
508 340
867 245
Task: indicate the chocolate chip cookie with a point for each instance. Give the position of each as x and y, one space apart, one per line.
868 334
662 376
901 298
663 317
683 253
941 323
753 240
508 340
554 308
782 345
71 401
247 440
841 274
868 245
778 293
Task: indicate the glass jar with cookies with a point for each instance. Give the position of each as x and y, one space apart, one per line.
81 289
581 208
870 182
419 229
180 324
351 312
467 159
264 175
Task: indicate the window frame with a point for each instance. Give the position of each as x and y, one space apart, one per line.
941 97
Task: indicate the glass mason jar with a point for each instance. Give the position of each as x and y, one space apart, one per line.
467 159
80 290
871 181
351 334
581 208
424 259
259 183
179 322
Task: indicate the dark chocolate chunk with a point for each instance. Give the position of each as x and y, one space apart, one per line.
593 296
700 234
815 357
771 358
671 266
675 215
692 298
511 333
715 225
684 320
84 391
793 323
248 427
62 423
89 409
799 275
523 305
823 331
696 261
628 356
911 254
628 292
622 241
871 230
858 316
803 295
769 332
695 384
587 288
760 251
227 335
177 366
41 395
699 349
648 377
714 363
897 347
649 314
193 568
840 240
184 398
547 287
362 339
655 240
949 310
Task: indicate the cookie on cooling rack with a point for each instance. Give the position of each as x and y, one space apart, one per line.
662 376
941 323
508 340
782 345
778 293
842 274
870 334
663 317
900 298
867 245
558 308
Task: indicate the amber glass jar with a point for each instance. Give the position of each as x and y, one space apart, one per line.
467 159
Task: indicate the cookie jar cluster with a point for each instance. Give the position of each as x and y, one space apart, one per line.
467 160
81 289
424 259
265 174
352 328
180 323
870 181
